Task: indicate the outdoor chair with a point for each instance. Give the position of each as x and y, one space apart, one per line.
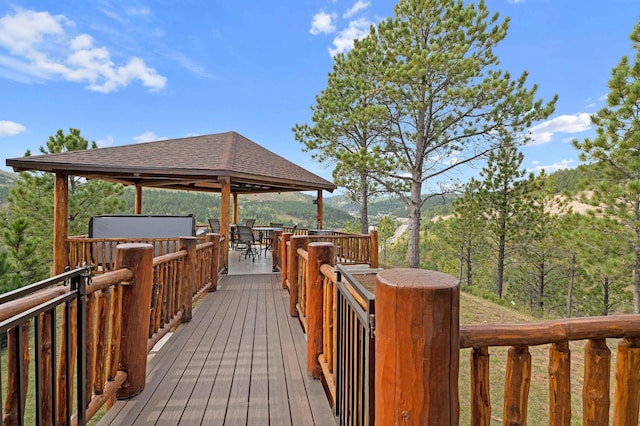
248 222
214 224
246 242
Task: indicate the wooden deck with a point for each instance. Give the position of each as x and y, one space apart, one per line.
241 360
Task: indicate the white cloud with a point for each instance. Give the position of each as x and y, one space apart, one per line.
147 136
544 132
138 11
322 23
591 105
344 40
516 1
11 128
550 168
107 141
40 48
357 7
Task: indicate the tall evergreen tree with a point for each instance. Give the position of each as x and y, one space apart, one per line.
30 201
347 124
466 229
501 196
539 246
615 152
444 96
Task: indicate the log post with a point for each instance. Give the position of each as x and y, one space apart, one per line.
417 347
284 255
373 252
517 383
60 223
137 201
627 387
296 242
595 389
188 276
480 392
215 239
225 200
319 254
136 307
320 211
275 251
559 384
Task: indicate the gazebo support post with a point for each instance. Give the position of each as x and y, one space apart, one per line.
60 224
235 207
319 214
224 215
137 208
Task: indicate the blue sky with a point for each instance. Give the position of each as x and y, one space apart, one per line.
131 71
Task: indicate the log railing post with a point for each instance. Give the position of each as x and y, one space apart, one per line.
373 245
417 326
215 260
319 254
517 383
627 383
286 236
188 276
480 382
595 389
559 384
296 242
275 252
136 306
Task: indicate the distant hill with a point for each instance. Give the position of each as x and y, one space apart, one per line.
7 180
392 206
290 208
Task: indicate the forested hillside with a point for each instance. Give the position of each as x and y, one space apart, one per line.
289 208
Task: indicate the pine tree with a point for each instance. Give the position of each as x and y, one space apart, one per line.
30 203
501 196
615 152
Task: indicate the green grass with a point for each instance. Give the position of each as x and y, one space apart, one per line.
475 310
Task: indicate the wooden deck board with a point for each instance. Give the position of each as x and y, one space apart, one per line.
237 362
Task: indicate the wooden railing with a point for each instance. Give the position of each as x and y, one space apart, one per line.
351 249
419 340
100 314
99 253
558 333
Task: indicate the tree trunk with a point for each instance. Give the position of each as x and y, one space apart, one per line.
572 277
461 264
541 283
501 255
636 282
413 227
364 204
469 266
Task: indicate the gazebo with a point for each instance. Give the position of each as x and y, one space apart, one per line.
226 163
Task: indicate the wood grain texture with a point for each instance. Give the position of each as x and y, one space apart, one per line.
417 348
595 390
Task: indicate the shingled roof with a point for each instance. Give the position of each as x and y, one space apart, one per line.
195 163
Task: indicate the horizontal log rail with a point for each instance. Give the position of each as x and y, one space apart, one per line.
558 333
111 366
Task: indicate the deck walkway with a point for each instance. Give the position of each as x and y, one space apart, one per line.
241 360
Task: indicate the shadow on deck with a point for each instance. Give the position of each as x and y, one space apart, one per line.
241 360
